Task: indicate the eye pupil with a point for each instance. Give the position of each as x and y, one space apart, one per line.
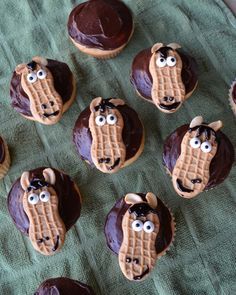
196 142
206 146
172 59
43 196
40 73
137 225
31 78
162 59
100 119
112 118
31 198
148 227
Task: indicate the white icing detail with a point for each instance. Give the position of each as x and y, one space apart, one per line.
160 62
195 142
137 225
171 61
148 227
41 74
111 119
44 196
32 77
206 147
33 199
100 120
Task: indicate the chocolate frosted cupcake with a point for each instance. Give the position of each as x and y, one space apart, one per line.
100 28
4 158
232 97
42 90
164 76
44 203
139 229
198 157
63 286
108 134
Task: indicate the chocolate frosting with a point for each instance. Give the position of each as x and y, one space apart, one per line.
2 151
132 133
63 83
69 200
102 24
220 165
63 286
113 225
234 93
141 78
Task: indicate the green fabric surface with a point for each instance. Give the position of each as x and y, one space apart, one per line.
202 258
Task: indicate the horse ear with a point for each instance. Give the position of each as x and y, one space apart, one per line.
40 60
133 198
174 46
94 103
216 125
24 180
117 101
49 176
20 69
151 199
156 47
196 121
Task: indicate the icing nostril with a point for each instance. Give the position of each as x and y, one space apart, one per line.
196 180
136 261
171 98
165 98
51 103
40 241
47 238
128 259
44 106
107 160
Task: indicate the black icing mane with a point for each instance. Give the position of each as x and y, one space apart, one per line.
105 104
203 129
141 209
32 65
164 51
36 184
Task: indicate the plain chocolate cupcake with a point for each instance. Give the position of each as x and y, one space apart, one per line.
101 28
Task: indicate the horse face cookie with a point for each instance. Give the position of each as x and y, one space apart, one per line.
106 124
37 82
40 203
139 229
168 90
44 203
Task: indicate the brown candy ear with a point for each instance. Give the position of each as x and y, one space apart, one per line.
151 199
117 101
94 103
40 60
20 68
174 46
156 47
24 180
49 176
216 125
196 121
133 198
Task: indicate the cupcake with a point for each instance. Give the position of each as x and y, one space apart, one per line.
63 286
4 158
42 90
108 135
101 28
44 203
164 76
232 97
198 156
139 229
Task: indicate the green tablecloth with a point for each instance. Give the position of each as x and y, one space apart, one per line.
202 259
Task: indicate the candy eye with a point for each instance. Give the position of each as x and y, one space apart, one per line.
137 225
32 77
41 74
148 227
160 62
195 142
100 120
44 196
33 199
206 147
171 61
111 119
